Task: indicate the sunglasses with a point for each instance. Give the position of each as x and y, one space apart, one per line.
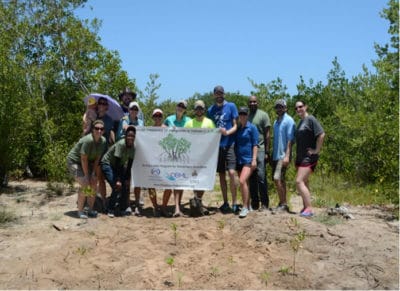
98 128
102 103
299 107
157 116
134 109
199 108
181 106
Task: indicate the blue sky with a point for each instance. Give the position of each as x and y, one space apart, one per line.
196 44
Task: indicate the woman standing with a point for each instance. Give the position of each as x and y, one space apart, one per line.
309 139
82 162
246 148
178 119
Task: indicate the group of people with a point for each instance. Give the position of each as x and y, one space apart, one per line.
107 150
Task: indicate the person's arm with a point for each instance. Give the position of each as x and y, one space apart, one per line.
111 139
286 159
85 168
254 159
320 141
267 141
231 130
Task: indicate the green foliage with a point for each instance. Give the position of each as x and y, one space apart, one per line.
6 216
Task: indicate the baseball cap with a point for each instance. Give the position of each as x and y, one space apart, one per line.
199 103
280 102
133 104
183 102
157 110
243 110
91 100
219 89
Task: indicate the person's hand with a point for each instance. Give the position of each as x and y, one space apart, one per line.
285 161
311 152
118 186
223 131
253 165
266 157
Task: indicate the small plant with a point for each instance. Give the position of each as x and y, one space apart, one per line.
170 261
264 277
6 216
231 260
284 270
180 277
174 228
221 224
214 272
82 250
88 191
295 244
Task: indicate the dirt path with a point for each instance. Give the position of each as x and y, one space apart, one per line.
48 248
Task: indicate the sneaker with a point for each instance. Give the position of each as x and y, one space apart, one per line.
225 208
128 211
138 211
111 214
82 215
280 208
92 213
235 208
263 208
307 213
243 213
251 209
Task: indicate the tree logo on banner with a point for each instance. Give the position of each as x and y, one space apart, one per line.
174 149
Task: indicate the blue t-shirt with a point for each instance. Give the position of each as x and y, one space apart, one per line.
245 139
223 117
284 131
126 120
171 121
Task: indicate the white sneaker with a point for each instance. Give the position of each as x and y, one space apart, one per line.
243 213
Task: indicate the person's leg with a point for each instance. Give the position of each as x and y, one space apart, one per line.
224 188
244 189
153 197
165 199
262 179
177 198
221 169
253 189
231 165
109 176
138 207
302 185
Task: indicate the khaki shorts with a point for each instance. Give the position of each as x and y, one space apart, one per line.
278 170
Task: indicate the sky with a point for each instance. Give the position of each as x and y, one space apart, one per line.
194 45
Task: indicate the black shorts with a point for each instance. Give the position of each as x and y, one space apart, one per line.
308 162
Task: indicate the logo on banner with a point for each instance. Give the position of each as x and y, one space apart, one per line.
175 149
173 176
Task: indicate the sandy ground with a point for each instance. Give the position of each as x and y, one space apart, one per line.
49 248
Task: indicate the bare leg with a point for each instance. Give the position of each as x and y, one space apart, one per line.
302 185
223 184
232 185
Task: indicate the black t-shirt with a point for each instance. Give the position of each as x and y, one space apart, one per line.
306 137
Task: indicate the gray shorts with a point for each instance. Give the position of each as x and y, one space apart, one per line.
76 171
226 159
278 170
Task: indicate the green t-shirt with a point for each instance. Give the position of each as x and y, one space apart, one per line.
87 146
261 120
205 123
119 150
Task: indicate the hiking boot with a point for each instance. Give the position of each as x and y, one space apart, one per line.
263 208
224 208
280 208
243 213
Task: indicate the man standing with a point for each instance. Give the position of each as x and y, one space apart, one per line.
200 121
224 115
284 131
258 181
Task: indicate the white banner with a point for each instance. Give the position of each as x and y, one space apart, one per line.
180 158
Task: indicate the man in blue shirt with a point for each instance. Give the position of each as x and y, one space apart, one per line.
284 130
224 115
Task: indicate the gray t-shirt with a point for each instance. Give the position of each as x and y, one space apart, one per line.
307 133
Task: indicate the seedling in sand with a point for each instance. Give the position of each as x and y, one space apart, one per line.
170 261
174 228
